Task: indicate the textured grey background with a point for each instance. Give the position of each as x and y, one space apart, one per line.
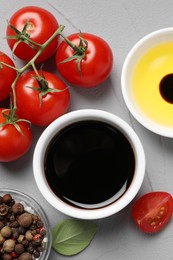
121 23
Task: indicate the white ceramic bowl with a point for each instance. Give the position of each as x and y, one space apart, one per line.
53 129
139 49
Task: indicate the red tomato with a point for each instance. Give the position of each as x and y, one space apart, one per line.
152 211
7 76
45 110
13 144
96 66
42 24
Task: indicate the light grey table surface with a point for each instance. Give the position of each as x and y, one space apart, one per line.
121 23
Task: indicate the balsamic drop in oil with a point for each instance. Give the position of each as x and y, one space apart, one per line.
166 88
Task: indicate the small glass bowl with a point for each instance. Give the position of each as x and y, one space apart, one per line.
31 205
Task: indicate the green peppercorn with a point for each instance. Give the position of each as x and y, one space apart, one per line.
25 256
2 239
25 219
6 231
8 245
28 235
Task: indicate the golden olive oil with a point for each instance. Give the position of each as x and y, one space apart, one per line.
154 65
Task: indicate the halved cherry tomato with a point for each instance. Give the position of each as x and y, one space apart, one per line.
153 211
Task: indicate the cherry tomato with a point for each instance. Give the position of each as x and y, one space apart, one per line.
7 76
13 144
36 102
41 25
152 211
96 66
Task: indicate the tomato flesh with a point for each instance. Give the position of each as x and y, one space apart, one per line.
152 211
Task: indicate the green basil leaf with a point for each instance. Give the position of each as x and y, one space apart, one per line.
71 236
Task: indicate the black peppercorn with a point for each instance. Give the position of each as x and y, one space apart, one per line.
15 234
21 230
7 198
19 249
1 200
25 243
30 249
12 218
18 208
1 224
3 209
7 256
39 223
36 254
43 232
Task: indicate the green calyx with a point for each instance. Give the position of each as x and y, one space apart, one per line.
43 88
79 51
22 36
12 119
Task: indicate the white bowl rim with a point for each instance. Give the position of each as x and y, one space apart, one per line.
40 179
145 121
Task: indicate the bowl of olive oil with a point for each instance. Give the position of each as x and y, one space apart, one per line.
147 81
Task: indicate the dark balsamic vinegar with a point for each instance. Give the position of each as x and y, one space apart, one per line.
88 163
166 88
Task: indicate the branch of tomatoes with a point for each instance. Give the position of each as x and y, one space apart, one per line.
23 36
11 117
82 59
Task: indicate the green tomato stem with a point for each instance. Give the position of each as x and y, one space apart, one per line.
72 45
7 65
32 62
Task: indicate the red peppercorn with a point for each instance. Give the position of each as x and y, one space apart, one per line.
13 254
36 237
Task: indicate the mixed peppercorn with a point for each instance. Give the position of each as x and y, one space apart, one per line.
21 233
